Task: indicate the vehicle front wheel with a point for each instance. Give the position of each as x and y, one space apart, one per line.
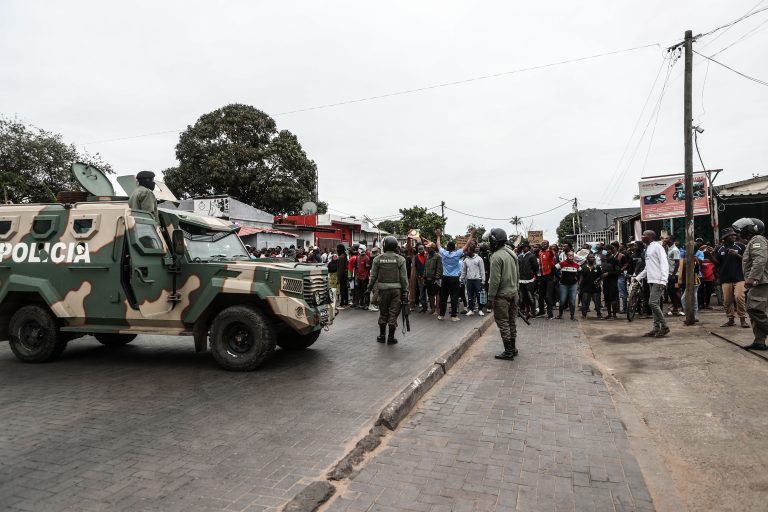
241 338
34 335
291 340
114 339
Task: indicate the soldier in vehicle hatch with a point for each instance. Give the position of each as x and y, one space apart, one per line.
388 271
143 198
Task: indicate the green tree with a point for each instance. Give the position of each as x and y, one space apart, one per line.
237 150
480 230
420 218
565 229
35 163
390 226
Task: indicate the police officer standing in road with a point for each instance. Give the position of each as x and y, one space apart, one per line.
503 298
388 271
142 198
755 265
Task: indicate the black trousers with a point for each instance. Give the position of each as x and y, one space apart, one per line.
449 288
546 293
343 290
527 306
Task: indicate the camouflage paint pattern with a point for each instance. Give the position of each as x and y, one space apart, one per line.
79 268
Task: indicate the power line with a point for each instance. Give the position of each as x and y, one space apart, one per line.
743 37
411 91
721 34
569 201
654 114
729 25
634 130
467 80
756 80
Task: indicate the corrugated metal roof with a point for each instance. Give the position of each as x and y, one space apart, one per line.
743 194
245 231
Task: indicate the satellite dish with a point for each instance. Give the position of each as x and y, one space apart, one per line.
309 207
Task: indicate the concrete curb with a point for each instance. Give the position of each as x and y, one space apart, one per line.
318 492
402 404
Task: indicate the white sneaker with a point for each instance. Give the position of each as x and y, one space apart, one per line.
454 319
373 308
470 313
440 317
481 313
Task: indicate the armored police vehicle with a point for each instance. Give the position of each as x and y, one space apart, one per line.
97 267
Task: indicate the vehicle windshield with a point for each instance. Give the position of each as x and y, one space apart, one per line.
203 244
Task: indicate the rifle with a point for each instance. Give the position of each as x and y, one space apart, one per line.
405 310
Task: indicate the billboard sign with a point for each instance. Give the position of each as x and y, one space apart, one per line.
664 198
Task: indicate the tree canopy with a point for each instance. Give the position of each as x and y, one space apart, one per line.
565 229
416 217
35 164
238 151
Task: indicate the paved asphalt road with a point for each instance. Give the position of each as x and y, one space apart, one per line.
154 426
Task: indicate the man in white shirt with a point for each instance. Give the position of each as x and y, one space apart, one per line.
656 271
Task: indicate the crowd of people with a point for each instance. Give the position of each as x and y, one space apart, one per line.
554 279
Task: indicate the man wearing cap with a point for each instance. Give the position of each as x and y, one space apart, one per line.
728 258
142 198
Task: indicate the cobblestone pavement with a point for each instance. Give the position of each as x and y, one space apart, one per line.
154 426
537 434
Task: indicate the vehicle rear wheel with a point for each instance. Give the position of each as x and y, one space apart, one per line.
34 335
114 339
241 338
290 340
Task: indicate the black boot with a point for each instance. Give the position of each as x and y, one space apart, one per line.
514 349
382 330
757 345
391 340
509 351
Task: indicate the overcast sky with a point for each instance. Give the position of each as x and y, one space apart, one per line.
499 147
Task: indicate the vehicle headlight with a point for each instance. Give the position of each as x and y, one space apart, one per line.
318 298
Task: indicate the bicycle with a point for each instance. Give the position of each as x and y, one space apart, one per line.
635 298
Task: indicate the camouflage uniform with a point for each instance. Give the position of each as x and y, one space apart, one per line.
389 273
503 291
144 199
755 264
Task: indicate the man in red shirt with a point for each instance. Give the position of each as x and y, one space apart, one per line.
362 271
547 262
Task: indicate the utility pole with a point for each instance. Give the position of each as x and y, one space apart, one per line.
442 212
690 245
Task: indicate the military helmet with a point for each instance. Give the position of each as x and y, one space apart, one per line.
390 243
497 238
748 227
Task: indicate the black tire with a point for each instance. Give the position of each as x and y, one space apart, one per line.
34 335
114 339
241 338
632 305
291 340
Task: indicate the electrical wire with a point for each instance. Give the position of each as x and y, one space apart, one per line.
752 32
634 130
468 80
721 34
414 90
749 14
756 80
654 114
569 201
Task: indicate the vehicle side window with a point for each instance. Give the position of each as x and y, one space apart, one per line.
147 237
